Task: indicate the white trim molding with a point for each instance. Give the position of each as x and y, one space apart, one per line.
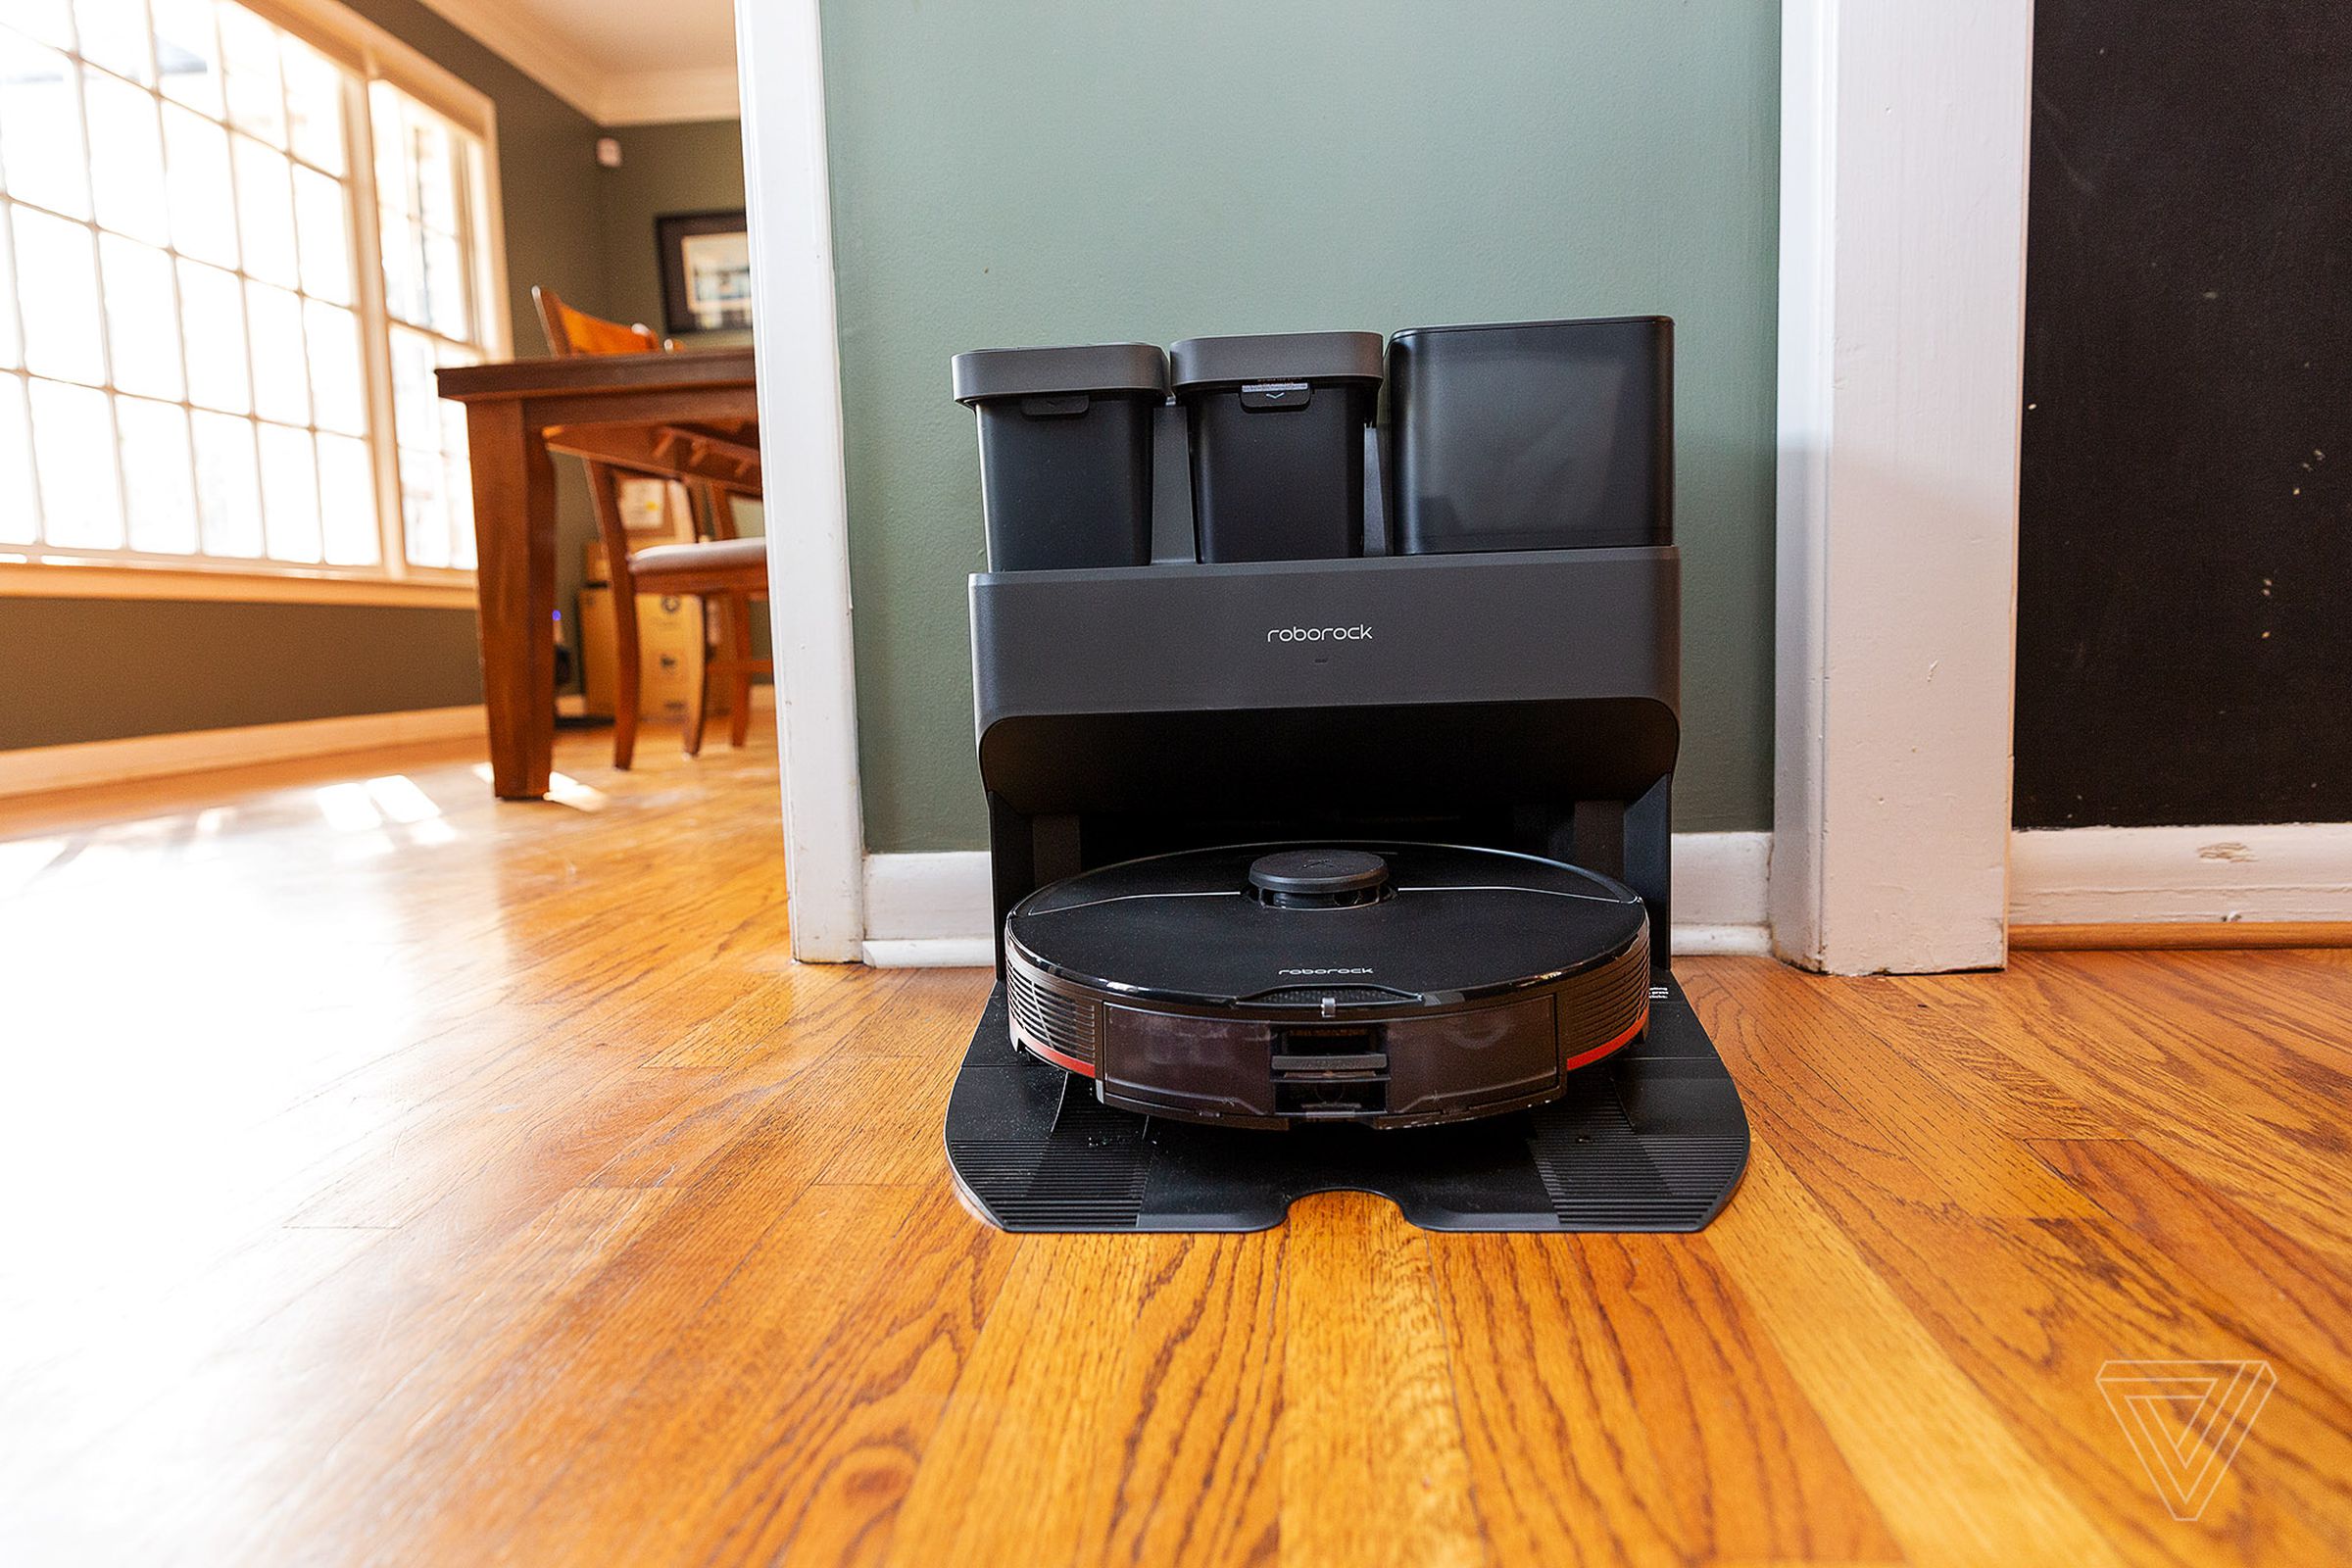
606 96
799 365
930 953
1903 159
935 912
1721 892
85 765
2145 875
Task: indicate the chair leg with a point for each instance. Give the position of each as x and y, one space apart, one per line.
627 690
739 670
697 703
604 487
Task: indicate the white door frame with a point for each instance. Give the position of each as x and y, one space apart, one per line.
780 59
1902 244
1904 129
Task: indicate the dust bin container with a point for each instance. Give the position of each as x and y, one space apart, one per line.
1542 435
1065 451
1277 429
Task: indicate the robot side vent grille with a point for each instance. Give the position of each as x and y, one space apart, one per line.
1605 1002
1050 1020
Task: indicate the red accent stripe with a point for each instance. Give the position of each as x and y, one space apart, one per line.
1083 1069
1618 1044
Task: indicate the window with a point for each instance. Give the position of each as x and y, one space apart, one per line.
231 257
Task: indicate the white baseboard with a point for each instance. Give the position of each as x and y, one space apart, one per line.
1719 882
86 763
2133 875
933 911
1747 941
930 953
928 897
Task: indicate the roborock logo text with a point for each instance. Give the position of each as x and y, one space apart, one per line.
1358 633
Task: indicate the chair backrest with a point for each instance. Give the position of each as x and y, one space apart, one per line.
571 332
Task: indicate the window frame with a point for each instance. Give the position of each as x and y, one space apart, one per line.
366 54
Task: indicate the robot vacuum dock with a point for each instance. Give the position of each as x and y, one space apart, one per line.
1651 1139
1330 800
1471 801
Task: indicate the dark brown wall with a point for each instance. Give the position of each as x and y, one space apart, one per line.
664 168
92 669
80 669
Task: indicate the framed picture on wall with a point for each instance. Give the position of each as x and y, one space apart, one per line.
705 272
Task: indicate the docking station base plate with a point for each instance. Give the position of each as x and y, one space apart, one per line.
1651 1139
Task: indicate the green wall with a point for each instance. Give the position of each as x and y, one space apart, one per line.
82 669
1038 172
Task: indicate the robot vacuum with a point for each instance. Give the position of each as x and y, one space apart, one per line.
1271 985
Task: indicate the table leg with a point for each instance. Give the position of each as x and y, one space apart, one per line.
514 534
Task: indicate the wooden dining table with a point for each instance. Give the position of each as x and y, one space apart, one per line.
623 409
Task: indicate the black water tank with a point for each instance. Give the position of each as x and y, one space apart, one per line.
1536 435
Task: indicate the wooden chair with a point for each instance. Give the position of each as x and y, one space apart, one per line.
716 463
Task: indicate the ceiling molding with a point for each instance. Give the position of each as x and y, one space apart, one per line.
632 98
657 97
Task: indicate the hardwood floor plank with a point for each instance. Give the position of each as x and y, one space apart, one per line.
1376 1459
796 1010
2167 1079
1561 1458
1950 1477
266 1417
2293 1294
731 1382
1884 1101
2031 1311
482 1426
824 1483
2270 994
2242 1033
2011 1097
703 1121
1751 1469
1119 1407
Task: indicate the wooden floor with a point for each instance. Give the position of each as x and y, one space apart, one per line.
396 1177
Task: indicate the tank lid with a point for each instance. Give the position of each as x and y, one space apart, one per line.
1205 362
1116 368
1646 323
